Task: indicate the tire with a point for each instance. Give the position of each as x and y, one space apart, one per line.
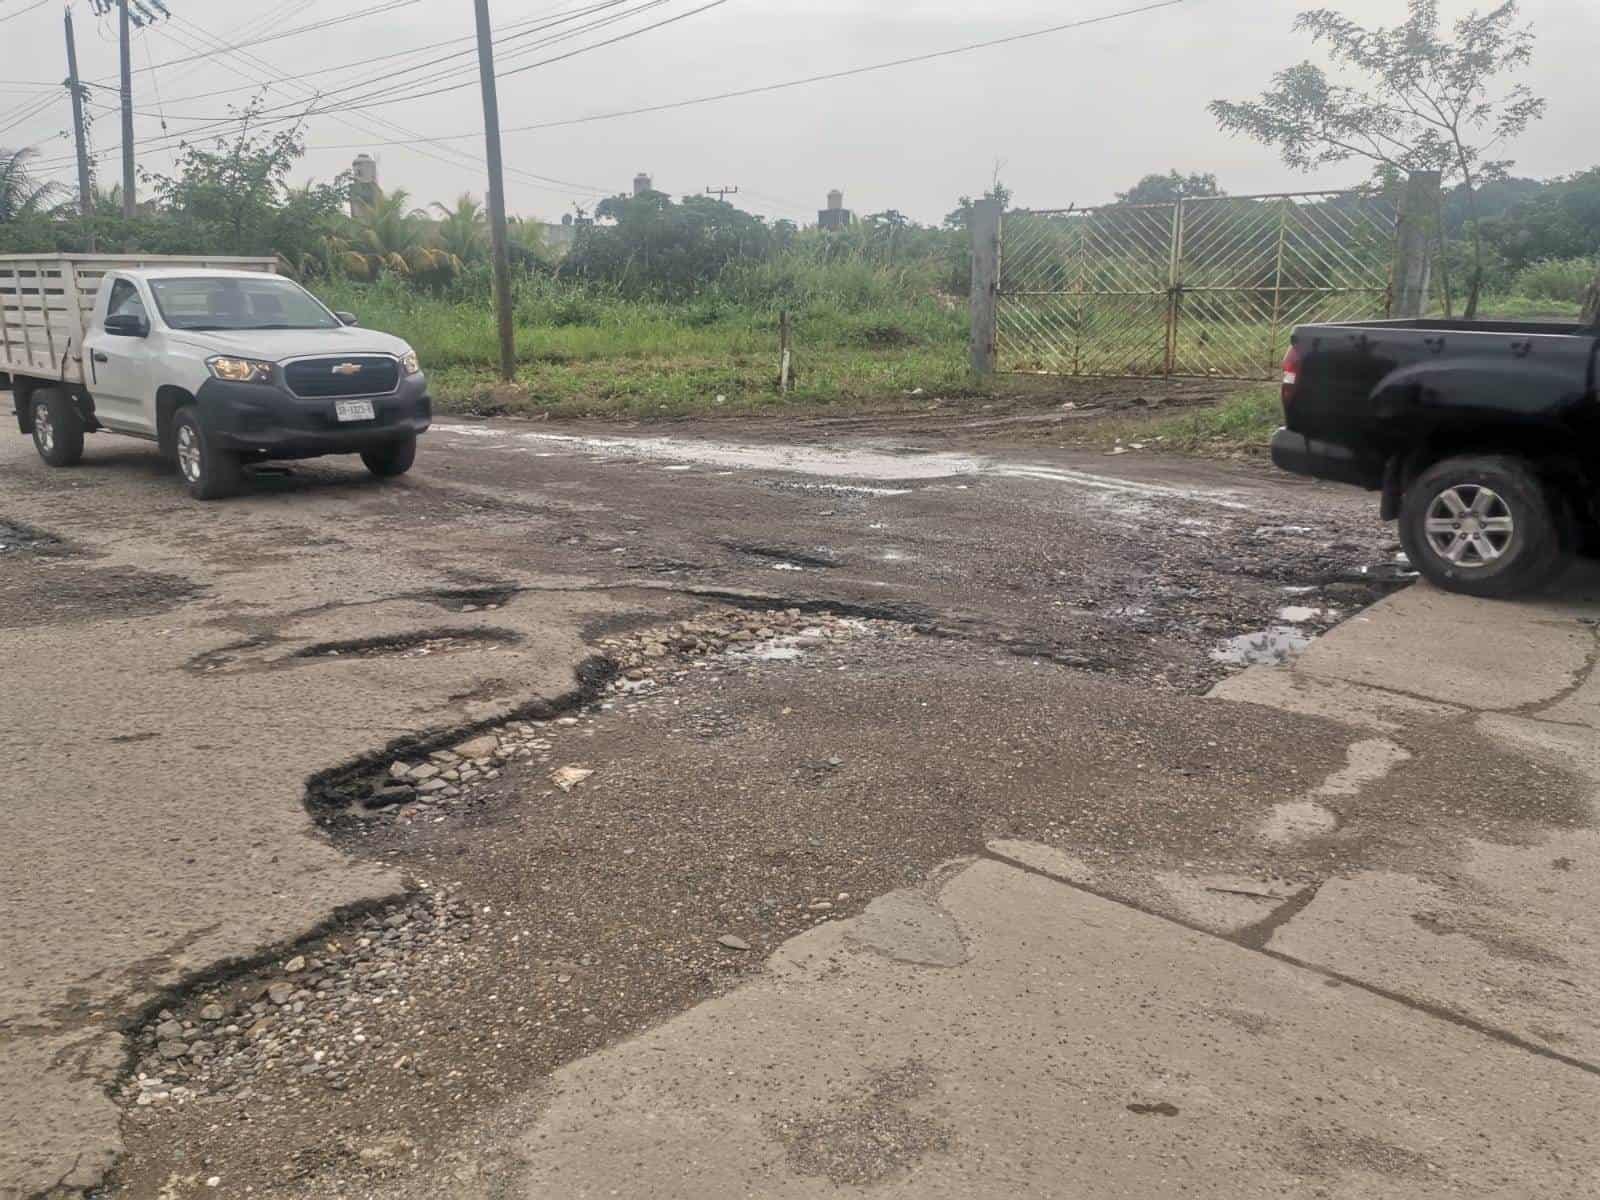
388 459
57 427
209 474
1481 525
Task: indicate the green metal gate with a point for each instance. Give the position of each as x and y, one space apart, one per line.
1204 287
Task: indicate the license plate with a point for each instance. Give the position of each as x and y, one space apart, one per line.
354 410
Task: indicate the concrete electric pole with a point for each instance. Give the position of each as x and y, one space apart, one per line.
85 189
722 193
497 194
129 14
128 199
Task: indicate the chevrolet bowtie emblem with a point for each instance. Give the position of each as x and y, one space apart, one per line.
347 369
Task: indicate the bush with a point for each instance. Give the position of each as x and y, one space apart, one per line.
1563 279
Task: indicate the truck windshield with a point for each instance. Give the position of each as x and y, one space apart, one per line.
226 303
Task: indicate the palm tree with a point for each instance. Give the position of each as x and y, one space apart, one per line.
392 237
21 193
463 231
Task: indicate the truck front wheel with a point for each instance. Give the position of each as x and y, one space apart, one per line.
388 459
1482 525
209 474
57 427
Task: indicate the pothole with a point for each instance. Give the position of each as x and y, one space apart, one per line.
410 645
17 537
472 599
1274 646
787 558
423 779
313 1011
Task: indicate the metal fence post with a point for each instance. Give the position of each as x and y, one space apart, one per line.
1413 256
985 228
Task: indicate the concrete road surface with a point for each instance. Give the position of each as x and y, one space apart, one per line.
1405 812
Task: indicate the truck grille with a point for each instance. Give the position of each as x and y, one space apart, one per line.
316 377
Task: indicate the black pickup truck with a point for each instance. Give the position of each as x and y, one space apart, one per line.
1483 436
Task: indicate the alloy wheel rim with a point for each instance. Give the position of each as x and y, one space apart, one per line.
189 454
1469 526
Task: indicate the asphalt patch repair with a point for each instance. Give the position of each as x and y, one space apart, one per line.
551 920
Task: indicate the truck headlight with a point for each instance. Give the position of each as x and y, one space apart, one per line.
409 363
240 370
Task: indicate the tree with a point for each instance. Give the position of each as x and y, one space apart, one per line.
392 236
463 231
527 241
1428 102
961 216
22 194
657 246
1170 188
234 196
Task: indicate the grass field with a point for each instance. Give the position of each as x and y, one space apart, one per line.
859 335
863 336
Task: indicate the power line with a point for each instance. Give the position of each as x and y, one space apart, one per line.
622 37
415 50
539 25
21 11
34 109
810 79
374 10
263 118
459 158
466 71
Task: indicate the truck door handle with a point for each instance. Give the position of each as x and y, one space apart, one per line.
100 356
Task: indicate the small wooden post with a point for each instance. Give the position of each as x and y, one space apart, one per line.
985 229
1413 249
785 362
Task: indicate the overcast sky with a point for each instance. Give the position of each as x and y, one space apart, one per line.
1070 117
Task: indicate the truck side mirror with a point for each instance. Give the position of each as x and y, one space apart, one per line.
347 318
127 325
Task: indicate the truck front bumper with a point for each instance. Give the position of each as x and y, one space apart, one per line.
260 419
1324 460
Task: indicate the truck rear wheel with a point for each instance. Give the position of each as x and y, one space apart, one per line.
1482 525
57 427
388 459
208 473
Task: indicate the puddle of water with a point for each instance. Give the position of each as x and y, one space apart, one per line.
770 652
1299 614
1270 647
859 462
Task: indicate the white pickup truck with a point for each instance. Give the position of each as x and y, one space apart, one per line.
219 361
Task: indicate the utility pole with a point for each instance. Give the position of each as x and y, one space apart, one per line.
127 112
85 190
722 193
497 194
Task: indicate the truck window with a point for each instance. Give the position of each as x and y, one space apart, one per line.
125 300
230 302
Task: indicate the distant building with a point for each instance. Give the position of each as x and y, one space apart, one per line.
364 193
642 183
836 215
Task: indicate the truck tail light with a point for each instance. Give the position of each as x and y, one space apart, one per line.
1291 373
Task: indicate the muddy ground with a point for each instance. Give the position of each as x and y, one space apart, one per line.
907 639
